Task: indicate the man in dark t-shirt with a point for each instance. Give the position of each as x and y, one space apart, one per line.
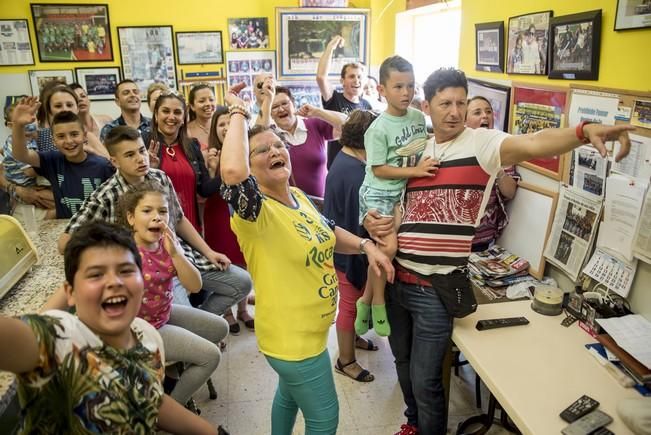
350 98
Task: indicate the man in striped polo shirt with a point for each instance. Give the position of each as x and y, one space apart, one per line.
437 228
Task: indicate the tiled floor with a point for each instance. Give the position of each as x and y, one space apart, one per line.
246 386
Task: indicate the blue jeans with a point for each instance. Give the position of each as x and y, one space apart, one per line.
420 336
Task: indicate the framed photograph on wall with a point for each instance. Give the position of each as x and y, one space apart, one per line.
489 44
633 14
499 97
534 108
528 43
39 78
198 48
72 32
100 83
303 34
15 46
147 54
243 66
304 92
324 3
248 33
575 43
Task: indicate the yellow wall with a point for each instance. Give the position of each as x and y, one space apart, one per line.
624 59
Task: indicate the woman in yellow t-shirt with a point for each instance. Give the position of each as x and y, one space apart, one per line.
288 247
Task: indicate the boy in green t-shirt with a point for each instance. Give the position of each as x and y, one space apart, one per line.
393 143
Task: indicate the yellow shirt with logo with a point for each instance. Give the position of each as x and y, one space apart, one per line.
288 252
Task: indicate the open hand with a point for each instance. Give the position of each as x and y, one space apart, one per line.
232 96
379 261
336 41
170 242
153 150
427 167
25 111
218 259
597 134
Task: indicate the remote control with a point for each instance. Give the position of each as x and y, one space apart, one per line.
603 431
588 423
482 325
579 408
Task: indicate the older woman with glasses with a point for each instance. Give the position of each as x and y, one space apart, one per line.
296 292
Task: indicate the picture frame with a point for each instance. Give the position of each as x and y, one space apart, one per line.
499 97
15 44
100 83
632 14
248 33
147 54
489 46
59 40
323 3
304 92
533 108
575 42
528 43
39 78
302 34
199 48
243 66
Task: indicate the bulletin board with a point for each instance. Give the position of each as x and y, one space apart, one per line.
531 214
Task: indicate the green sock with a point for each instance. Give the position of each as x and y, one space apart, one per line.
380 321
361 320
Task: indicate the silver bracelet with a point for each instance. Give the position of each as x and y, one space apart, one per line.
361 245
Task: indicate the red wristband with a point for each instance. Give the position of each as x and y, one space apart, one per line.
579 132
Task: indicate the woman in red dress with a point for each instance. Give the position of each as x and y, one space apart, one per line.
218 233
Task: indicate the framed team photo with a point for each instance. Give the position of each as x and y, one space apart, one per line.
100 83
248 33
489 38
575 45
528 43
72 32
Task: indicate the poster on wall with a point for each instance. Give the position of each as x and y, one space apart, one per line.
303 34
72 32
243 66
248 33
528 43
148 56
575 46
198 48
15 46
534 109
489 40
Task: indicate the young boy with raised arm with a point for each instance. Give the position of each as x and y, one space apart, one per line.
393 145
99 370
73 173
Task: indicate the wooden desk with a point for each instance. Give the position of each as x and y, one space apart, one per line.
537 370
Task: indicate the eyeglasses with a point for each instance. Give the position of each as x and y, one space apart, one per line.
264 149
284 105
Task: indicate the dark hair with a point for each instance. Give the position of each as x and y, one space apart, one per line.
119 134
352 132
285 90
65 118
155 87
394 63
96 234
370 77
444 78
130 199
47 97
479 97
183 139
193 93
213 139
122 82
74 86
257 129
357 65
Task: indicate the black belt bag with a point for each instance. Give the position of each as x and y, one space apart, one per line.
455 291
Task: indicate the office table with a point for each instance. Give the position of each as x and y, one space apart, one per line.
537 370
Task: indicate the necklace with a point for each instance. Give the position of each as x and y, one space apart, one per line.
204 129
171 151
445 149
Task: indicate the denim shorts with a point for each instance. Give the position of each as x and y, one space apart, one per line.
383 200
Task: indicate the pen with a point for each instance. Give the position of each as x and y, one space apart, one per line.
620 377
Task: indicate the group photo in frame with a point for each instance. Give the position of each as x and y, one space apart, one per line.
304 92
303 34
575 46
100 83
15 45
248 33
534 108
198 48
633 14
39 78
243 66
528 43
147 54
489 43
499 97
72 32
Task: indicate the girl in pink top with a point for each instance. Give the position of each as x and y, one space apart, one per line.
189 335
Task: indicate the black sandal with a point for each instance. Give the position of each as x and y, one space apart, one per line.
370 346
363 376
250 324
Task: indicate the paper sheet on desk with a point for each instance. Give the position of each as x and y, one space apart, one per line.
632 333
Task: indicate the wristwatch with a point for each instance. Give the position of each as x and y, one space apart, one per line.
361 245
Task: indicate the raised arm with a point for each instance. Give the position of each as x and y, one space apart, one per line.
268 92
234 164
24 113
556 141
19 337
324 67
